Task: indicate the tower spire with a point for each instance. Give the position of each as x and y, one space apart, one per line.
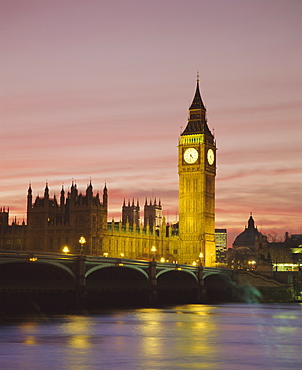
197 102
197 123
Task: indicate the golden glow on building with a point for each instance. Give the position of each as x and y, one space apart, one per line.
197 187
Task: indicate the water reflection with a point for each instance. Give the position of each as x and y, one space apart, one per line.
79 341
30 340
184 337
190 332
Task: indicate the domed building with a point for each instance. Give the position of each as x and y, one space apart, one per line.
250 237
249 248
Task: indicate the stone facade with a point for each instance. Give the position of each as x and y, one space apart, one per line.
53 224
197 171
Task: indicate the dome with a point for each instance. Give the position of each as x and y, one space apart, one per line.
248 237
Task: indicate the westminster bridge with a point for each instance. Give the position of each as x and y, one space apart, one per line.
61 280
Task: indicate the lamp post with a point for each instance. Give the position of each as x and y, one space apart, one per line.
200 258
82 242
153 250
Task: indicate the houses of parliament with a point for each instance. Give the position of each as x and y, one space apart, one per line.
53 224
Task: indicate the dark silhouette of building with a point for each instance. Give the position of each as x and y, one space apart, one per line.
249 237
51 225
252 245
12 237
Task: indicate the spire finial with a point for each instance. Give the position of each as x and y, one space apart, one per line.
197 77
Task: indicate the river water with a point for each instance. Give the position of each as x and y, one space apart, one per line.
229 336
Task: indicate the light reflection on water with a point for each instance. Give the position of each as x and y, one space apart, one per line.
185 337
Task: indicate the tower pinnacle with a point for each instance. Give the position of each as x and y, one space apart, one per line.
197 123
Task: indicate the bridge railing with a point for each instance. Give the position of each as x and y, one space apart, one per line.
34 256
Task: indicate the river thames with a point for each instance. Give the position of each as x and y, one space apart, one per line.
229 336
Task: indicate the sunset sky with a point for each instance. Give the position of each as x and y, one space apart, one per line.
100 89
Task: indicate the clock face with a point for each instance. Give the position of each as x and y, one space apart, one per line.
191 155
210 156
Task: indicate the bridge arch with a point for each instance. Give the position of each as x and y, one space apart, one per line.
219 287
176 286
36 287
178 271
95 268
36 275
116 286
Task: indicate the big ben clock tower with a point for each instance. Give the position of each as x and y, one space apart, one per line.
197 171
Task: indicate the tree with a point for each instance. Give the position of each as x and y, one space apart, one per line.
273 237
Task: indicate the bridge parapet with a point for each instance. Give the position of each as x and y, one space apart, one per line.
92 261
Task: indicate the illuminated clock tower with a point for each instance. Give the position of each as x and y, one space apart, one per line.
197 171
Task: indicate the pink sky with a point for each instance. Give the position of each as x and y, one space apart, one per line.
101 89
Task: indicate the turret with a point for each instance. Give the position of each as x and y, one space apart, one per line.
152 214
73 191
105 197
29 198
46 192
131 213
62 198
89 192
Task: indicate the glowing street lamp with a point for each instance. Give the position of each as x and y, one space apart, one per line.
153 250
82 241
252 264
200 258
65 249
